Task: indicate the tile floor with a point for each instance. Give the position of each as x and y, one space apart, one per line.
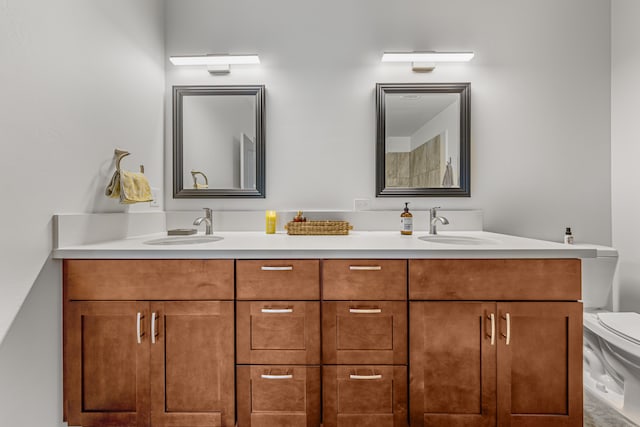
597 414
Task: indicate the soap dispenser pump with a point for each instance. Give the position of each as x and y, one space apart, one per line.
406 221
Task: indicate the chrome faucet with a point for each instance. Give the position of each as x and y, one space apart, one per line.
434 218
208 220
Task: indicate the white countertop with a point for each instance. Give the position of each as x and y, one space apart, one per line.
358 244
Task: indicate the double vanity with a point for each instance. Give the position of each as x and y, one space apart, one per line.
370 329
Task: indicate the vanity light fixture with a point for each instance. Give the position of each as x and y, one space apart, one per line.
426 61
216 64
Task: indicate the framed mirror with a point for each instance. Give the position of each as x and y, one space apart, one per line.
218 141
422 146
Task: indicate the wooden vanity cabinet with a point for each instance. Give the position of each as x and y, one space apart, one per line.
364 395
278 343
278 332
278 395
148 343
498 361
369 332
364 330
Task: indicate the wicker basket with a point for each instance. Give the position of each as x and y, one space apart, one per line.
318 228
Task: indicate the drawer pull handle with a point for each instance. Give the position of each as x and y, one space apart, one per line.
282 268
154 332
276 377
139 328
493 328
507 317
277 310
365 310
365 267
365 377
508 336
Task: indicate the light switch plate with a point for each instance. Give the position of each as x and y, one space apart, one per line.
361 204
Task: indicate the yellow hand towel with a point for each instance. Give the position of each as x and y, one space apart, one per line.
113 189
134 188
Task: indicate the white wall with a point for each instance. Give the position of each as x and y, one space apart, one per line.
540 100
625 147
398 144
78 79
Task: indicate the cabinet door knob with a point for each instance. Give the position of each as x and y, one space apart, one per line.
139 332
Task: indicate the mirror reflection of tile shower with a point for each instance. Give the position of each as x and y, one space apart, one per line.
421 167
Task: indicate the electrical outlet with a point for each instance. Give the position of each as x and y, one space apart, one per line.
361 204
155 194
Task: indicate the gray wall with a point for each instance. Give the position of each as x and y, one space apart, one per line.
625 148
79 78
540 100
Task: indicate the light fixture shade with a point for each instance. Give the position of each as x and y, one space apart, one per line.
429 57
214 59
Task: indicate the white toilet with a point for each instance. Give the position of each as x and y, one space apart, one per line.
611 348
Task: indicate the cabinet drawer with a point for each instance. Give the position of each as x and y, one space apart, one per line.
364 332
162 279
364 279
495 279
278 396
365 396
278 280
286 332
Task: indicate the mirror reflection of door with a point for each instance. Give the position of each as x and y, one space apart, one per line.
422 140
213 132
247 162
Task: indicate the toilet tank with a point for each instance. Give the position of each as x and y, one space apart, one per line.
598 279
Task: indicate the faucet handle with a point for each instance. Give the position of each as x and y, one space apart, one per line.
433 210
207 212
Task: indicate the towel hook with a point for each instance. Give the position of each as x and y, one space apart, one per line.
120 154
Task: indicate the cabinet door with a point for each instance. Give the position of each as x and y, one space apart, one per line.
283 396
365 332
540 366
278 332
106 354
452 364
192 367
365 396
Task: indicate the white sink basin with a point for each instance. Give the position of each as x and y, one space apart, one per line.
183 240
456 240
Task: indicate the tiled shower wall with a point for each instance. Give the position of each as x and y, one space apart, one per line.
418 168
